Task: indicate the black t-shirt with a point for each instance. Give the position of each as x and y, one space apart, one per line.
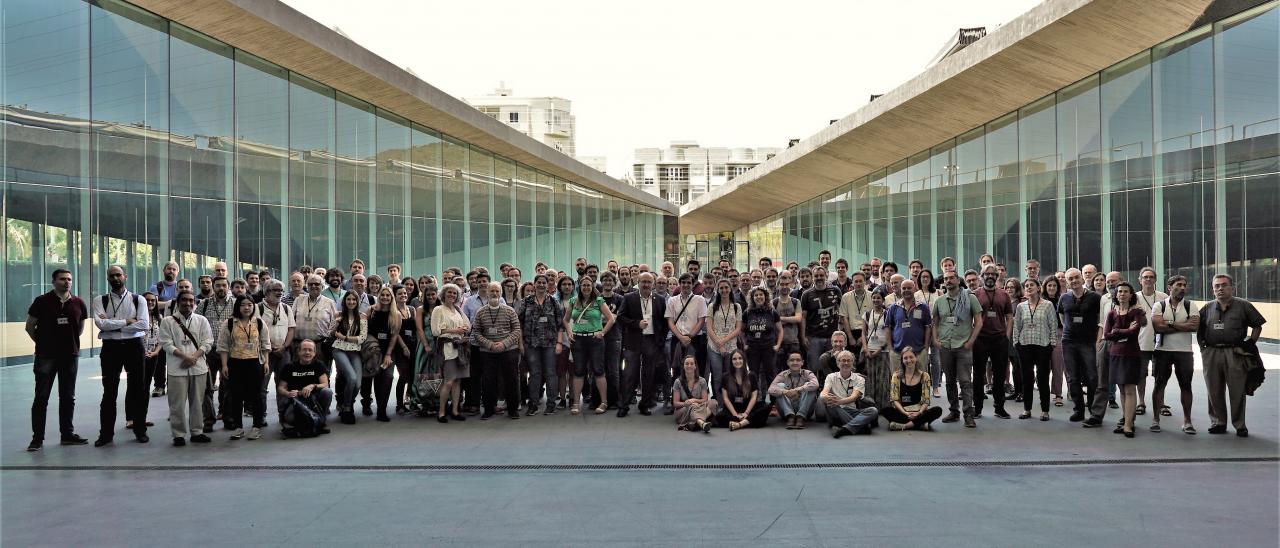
299 375
615 302
761 327
819 306
1080 316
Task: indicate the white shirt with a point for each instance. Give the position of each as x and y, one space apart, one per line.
173 338
854 306
277 320
696 311
112 319
1147 334
1182 341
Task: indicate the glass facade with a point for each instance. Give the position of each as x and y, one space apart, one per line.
1170 158
128 139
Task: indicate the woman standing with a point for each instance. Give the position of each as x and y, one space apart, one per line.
564 350
722 337
692 399
538 313
1121 328
1035 328
928 293
764 337
349 332
874 337
1013 287
909 397
509 294
153 354
740 405
385 322
406 347
243 345
1098 284
1051 293
588 319
411 288
428 300
450 327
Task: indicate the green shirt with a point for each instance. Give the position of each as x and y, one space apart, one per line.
954 326
586 321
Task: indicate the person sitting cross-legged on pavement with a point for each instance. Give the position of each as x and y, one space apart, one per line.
307 381
909 397
842 393
794 392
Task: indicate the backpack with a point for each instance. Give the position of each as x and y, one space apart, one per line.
1186 307
306 422
137 303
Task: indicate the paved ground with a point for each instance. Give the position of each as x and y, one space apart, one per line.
602 480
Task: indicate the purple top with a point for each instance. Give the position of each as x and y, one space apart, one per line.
1124 341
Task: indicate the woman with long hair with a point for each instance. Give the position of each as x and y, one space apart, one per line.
564 351
1013 287
909 397
927 292
385 321
243 344
722 333
764 337
1123 322
349 332
152 352
1052 291
411 289
740 403
588 319
691 398
876 361
509 293
405 348
450 328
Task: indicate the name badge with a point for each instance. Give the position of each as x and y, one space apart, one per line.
1219 326
953 321
408 332
382 336
247 346
492 331
905 325
991 313
542 319
581 322
64 321
758 335
737 399
1077 319
915 314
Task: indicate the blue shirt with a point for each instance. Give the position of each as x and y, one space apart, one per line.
474 303
166 291
907 328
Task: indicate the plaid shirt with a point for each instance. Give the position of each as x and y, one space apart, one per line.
1036 327
539 333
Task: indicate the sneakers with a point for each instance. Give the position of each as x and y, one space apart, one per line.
200 438
255 433
35 445
101 441
237 434
837 432
897 427
73 439
1077 416
1155 426
1001 413
157 392
951 417
531 410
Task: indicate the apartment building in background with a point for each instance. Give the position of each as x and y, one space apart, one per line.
546 119
684 171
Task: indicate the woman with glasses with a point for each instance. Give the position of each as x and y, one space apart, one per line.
588 319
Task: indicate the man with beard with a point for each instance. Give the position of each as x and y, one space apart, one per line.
167 289
992 344
123 321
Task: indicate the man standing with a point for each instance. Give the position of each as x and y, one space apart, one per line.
842 281
686 318
217 309
55 321
1033 269
1102 359
958 318
643 332
992 344
1174 323
1147 299
334 291
393 274
1079 311
820 319
496 335
167 289
122 320
278 319
612 341
1223 348
853 307
910 326
186 339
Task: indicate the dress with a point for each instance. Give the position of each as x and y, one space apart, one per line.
1124 353
687 416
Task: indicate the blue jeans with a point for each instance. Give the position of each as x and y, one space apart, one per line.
816 346
853 421
542 368
803 407
349 369
717 362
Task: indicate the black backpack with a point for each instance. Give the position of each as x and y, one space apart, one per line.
306 422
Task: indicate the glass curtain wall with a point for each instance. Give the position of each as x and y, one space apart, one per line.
1167 159
128 139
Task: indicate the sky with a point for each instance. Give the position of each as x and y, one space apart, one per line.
745 73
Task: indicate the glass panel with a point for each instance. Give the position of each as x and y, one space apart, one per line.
1079 146
922 211
311 171
942 180
424 180
480 188
1038 156
200 116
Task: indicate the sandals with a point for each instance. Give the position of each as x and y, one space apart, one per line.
1141 409
1189 430
1165 411
1155 427
1057 402
735 425
601 410
575 410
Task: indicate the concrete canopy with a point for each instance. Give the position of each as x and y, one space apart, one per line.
1049 47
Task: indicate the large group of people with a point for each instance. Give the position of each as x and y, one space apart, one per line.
787 344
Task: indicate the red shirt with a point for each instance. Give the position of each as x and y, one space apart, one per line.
57 325
995 305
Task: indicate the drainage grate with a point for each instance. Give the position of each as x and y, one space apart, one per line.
626 467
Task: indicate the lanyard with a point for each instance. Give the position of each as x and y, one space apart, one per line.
246 328
115 306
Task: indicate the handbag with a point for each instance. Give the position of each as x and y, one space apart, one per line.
427 377
305 421
370 357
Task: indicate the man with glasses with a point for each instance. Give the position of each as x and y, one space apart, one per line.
1147 299
1228 333
278 319
313 317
